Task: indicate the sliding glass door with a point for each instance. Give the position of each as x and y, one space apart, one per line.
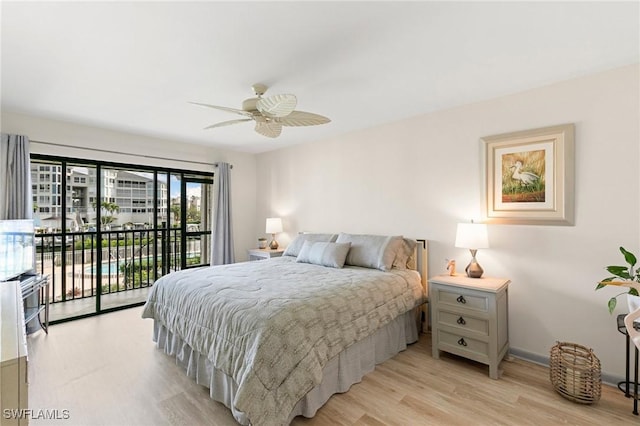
106 232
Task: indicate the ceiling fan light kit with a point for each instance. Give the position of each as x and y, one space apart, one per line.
270 113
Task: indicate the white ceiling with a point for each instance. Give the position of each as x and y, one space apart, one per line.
134 66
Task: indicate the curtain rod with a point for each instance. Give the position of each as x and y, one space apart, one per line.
123 153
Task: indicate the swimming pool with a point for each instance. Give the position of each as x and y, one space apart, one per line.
107 268
113 267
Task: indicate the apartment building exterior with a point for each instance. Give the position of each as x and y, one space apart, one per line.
133 193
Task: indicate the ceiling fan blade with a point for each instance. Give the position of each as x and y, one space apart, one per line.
301 118
269 129
277 105
237 111
227 123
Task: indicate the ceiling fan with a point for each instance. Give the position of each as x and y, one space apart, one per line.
270 113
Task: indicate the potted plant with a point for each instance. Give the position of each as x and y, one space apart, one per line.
623 276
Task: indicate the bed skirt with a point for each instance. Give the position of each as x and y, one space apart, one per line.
342 371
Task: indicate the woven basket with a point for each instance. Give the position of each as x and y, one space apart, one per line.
575 372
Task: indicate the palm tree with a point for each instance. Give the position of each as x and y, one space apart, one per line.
109 212
175 209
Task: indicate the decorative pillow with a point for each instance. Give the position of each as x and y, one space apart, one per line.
371 251
332 255
294 247
404 254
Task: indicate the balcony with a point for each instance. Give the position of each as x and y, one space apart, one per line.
88 276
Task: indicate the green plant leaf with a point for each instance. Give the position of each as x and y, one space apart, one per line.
606 280
619 271
626 273
628 256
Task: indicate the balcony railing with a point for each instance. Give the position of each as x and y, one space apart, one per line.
80 267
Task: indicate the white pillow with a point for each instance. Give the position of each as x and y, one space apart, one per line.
293 249
371 251
328 254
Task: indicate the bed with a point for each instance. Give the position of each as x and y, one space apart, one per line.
274 339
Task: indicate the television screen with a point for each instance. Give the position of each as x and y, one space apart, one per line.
17 248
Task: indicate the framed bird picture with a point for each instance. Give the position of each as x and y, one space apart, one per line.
528 176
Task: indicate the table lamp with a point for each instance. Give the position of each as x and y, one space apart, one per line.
472 236
274 225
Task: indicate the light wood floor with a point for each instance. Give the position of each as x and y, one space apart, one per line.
106 371
87 305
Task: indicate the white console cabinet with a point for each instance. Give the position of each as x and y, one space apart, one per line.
13 354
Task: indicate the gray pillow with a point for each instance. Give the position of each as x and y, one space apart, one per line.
332 255
404 254
371 251
294 247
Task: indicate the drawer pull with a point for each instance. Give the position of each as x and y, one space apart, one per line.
461 299
461 342
461 321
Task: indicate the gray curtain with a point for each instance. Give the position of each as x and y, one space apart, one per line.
15 178
222 233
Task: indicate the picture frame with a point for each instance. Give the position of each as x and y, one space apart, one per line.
528 176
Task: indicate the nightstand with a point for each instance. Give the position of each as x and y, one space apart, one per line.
469 318
261 254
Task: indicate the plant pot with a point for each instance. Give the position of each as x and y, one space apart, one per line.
262 243
633 303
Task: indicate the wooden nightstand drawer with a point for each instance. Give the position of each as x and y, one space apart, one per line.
464 322
456 343
466 299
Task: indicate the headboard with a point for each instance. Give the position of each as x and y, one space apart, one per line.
422 262
422 266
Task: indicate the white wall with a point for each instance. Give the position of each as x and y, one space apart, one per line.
133 149
421 176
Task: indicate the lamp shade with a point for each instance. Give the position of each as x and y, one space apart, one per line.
274 225
472 236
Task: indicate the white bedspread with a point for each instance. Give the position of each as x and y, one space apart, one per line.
273 324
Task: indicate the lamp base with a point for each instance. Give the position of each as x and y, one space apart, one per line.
473 269
273 245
